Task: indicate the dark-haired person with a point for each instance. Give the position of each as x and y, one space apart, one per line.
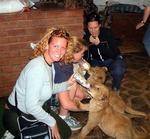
35 86
146 39
103 50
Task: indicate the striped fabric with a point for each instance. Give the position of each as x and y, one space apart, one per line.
125 8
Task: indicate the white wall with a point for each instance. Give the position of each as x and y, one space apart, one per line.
134 2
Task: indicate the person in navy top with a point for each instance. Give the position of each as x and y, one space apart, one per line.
103 50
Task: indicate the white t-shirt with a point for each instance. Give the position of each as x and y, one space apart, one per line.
34 87
146 2
10 6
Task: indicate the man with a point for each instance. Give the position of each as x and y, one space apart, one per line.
146 39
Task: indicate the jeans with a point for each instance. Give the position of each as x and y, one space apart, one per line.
146 40
117 68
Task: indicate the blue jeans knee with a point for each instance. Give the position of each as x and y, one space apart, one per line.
117 70
146 40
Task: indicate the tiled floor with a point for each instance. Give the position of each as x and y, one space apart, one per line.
135 91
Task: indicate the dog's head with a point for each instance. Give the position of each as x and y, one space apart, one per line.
99 97
99 92
97 75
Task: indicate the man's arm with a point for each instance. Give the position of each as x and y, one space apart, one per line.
145 17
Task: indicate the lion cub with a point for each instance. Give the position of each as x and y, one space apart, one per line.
102 114
98 75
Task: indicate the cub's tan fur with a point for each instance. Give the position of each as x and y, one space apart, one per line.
98 75
102 114
119 105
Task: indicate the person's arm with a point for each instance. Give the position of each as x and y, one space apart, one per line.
67 98
35 83
145 17
61 87
66 101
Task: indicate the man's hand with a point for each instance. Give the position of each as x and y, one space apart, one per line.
139 25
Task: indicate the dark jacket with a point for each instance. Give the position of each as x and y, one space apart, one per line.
106 49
